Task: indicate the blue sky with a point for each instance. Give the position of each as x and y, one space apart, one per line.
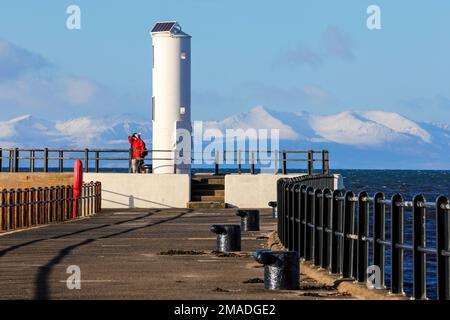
316 56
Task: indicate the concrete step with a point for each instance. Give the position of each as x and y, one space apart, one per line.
207 176
205 181
205 205
208 192
208 198
208 187
208 179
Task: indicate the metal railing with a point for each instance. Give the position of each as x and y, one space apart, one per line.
25 160
24 208
334 228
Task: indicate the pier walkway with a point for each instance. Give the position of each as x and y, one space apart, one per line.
140 254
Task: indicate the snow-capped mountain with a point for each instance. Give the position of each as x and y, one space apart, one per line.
373 139
85 132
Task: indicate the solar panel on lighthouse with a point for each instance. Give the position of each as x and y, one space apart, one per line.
163 26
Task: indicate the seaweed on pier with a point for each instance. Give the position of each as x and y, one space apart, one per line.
175 252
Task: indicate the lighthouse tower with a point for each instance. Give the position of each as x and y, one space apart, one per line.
171 100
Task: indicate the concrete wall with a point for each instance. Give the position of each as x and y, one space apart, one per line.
255 191
126 190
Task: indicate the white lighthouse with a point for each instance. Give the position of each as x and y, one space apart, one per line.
171 100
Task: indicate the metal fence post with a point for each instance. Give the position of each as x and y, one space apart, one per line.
287 205
97 161
302 220
335 246
325 162
286 211
290 217
363 229
309 213
175 158
86 160
318 228
347 254
284 160
32 160
443 247
239 162
216 163
280 183
296 219
419 242
16 160
397 214
275 160
45 165
130 160
10 161
326 227
252 168
379 235
1 160
61 161
310 162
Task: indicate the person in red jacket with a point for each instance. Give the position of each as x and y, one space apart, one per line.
138 147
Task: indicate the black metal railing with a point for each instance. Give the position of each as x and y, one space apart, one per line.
334 228
25 208
25 160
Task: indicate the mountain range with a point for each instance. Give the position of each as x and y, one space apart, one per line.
356 140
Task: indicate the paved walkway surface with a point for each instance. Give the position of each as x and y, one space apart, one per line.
140 254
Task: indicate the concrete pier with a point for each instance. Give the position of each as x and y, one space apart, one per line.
142 254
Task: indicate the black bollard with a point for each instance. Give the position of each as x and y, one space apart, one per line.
273 204
249 219
228 237
281 269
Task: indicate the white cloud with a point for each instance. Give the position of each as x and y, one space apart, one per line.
27 83
78 91
334 43
338 44
303 56
16 61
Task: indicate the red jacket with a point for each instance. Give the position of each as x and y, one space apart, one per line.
137 145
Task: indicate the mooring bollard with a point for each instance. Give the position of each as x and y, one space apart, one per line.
273 204
281 269
228 237
249 219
